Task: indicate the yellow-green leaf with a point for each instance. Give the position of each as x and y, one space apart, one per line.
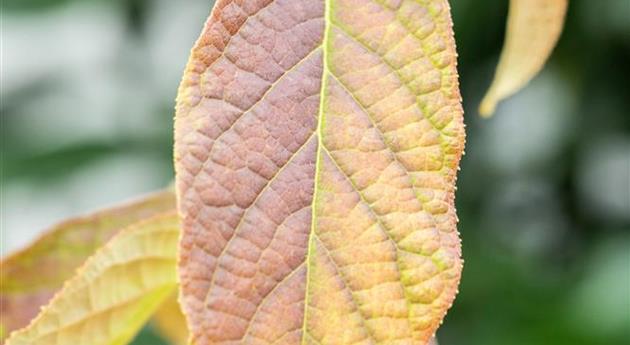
533 28
316 150
31 276
170 322
113 294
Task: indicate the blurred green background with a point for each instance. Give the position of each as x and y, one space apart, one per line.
87 95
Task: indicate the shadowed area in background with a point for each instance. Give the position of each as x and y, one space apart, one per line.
88 91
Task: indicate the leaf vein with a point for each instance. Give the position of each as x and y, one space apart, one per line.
245 212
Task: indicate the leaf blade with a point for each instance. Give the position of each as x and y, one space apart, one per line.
120 286
352 209
533 29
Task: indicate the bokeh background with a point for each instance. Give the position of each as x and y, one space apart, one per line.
87 95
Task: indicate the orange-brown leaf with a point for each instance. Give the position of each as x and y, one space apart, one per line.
316 150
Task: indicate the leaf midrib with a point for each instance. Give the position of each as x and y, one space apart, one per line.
318 132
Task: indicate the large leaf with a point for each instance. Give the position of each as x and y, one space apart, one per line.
533 28
317 144
114 292
30 277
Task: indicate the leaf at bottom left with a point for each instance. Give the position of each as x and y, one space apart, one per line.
115 292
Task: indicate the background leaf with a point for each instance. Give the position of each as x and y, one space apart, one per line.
170 321
533 28
114 292
317 144
31 276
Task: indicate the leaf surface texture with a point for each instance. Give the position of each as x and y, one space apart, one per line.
114 292
316 150
533 29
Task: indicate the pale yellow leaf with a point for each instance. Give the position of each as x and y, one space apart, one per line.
533 28
31 276
113 294
170 322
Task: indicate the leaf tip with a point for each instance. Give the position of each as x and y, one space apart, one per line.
488 106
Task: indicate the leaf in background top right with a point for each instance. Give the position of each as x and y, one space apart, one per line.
533 28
